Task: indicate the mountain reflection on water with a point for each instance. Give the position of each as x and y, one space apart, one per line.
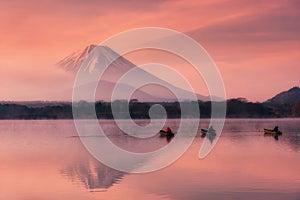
97 176
92 174
45 159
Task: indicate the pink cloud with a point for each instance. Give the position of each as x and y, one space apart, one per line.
246 39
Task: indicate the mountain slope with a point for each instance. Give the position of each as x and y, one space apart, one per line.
289 97
74 60
94 58
105 88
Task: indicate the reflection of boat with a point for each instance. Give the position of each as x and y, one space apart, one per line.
272 132
163 133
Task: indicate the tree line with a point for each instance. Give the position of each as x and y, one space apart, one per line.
236 108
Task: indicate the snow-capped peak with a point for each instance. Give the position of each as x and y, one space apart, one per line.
104 55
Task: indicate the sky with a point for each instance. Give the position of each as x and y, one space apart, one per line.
255 44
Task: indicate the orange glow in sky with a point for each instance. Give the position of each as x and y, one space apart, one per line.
256 45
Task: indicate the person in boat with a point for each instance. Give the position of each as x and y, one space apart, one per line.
168 131
276 129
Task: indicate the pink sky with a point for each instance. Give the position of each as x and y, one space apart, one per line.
256 45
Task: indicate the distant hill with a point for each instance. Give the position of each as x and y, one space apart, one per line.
289 97
285 104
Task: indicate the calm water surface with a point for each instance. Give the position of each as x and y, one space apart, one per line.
46 160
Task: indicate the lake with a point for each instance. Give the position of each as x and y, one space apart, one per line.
45 159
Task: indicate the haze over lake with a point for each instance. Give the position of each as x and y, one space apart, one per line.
45 159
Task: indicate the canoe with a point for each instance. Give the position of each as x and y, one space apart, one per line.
163 133
272 132
205 132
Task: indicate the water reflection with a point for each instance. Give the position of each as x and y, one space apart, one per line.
210 133
241 129
96 176
294 141
211 137
92 174
169 138
43 161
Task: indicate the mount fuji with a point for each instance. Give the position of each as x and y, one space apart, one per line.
93 59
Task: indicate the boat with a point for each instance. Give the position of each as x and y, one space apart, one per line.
272 132
204 132
210 131
163 133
